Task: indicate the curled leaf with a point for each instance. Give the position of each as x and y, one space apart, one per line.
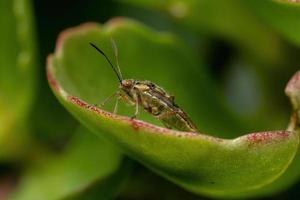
292 174
200 163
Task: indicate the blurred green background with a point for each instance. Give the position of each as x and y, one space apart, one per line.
249 51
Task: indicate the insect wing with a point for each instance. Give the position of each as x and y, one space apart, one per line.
171 115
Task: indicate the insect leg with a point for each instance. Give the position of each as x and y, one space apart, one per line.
125 98
116 105
107 99
135 97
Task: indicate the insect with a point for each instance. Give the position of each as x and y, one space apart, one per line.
150 96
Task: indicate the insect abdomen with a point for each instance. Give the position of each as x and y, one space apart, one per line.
166 111
178 120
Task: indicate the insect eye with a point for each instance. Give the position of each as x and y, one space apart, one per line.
127 83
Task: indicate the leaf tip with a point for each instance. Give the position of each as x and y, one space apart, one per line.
293 85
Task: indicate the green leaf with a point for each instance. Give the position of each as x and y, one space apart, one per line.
17 75
282 15
292 174
87 164
231 20
200 163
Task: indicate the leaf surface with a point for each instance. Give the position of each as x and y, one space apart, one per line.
282 15
200 163
88 164
17 75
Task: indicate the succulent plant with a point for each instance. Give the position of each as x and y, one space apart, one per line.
227 64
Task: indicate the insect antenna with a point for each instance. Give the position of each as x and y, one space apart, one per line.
112 66
115 48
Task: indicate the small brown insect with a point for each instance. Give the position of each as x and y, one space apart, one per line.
151 97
